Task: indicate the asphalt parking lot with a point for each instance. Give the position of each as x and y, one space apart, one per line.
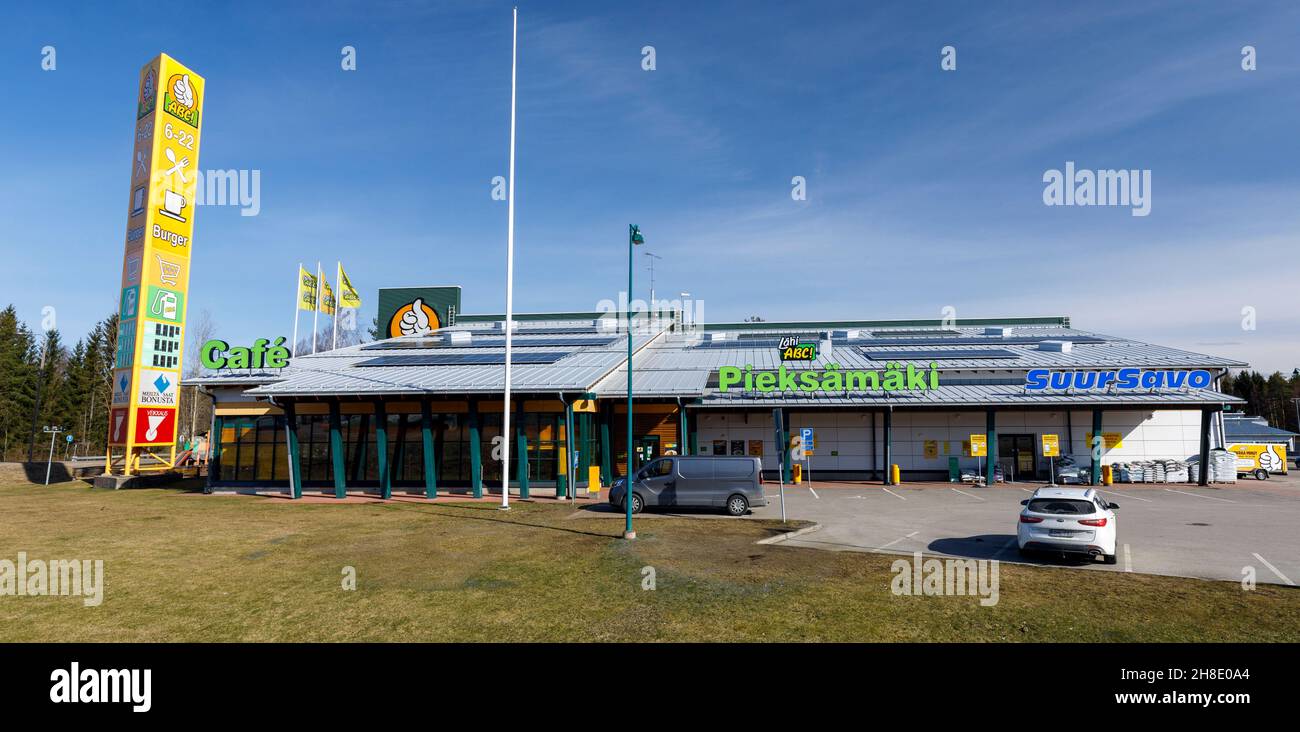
1169 529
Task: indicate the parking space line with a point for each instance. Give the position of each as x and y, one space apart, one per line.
895 541
964 493
1128 559
1274 569
895 495
810 488
1196 495
1013 541
1127 495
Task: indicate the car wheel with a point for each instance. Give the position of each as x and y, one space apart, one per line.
1261 474
637 503
1109 558
737 505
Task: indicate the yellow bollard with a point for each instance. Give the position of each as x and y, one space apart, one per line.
798 473
593 479
895 474
1107 475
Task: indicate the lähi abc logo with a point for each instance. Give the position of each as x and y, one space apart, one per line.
793 348
180 99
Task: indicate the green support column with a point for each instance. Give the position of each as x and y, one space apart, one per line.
888 468
571 444
381 451
521 455
214 469
336 452
991 437
561 447
426 437
606 474
683 435
295 456
475 451
1099 446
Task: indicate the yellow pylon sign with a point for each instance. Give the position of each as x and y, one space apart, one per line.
156 264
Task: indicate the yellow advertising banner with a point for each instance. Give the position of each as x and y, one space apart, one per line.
156 267
931 449
326 297
1051 446
979 446
1111 440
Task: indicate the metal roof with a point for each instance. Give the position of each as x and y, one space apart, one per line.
669 363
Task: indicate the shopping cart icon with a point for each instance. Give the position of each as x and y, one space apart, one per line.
168 272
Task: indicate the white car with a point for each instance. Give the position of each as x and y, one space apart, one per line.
1067 521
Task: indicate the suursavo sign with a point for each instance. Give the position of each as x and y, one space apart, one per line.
217 354
1122 379
895 377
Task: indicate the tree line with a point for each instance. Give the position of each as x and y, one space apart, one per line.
1270 397
44 382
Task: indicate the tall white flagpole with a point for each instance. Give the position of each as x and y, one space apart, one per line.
337 269
510 276
315 314
297 288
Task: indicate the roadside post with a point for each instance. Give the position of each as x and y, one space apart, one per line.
1051 448
979 447
49 461
806 437
780 457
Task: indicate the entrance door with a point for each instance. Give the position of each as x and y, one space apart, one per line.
647 449
1018 457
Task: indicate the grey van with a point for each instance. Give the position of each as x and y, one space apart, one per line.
731 483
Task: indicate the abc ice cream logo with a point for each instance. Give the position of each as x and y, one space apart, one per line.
413 318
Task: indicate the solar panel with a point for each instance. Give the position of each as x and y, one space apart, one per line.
487 342
465 359
918 332
774 341
977 340
934 354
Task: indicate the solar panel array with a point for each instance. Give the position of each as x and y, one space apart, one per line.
487 342
464 359
919 354
774 341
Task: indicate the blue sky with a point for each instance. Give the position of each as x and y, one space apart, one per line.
924 186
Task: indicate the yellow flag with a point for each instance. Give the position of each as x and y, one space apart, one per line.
326 297
306 289
348 296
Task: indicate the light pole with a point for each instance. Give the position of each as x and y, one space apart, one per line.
652 257
633 238
53 432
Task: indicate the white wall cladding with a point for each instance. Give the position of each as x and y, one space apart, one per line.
844 438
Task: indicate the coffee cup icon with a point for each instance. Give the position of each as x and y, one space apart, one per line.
173 204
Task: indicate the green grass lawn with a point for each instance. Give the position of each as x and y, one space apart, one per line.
188 567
